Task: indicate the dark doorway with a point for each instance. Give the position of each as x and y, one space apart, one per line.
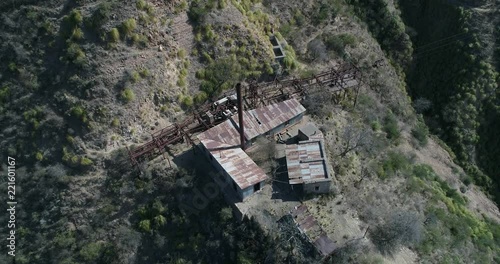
256 187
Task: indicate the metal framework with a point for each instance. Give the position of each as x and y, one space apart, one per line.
334 81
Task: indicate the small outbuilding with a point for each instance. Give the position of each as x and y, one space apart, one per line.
307 163
308 132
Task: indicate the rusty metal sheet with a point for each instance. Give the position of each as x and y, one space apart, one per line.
306 162
264 119
236 163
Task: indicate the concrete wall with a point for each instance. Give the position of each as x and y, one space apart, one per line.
250 190
246 192
323 187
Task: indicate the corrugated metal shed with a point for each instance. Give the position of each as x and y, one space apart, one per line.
306 162
235 162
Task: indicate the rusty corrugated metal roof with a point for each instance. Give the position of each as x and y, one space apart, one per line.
306 162
262 120
224 133
240 167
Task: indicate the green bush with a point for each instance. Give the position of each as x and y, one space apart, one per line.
375 125
322 13
85 161
75 53
115 122
128 95
181 82
140 40
100 16
140 4
391 127
145 225
159 221
200 97
337 43
424 171
114 35
75 18
206 57
91 251
420 133
128 26
4 94
65 239
393 163
221 75
181 53
77 111
197 12
200 74
77 34
290 60
135 77
183 72
144 73
38 156
33 117
187 101
299 17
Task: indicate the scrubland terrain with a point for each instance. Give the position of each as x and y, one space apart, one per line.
80 80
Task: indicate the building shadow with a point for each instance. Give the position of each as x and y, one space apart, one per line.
195 162
282 190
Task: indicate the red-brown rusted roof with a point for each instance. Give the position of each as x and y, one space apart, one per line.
224 133
240 167
264 119
306 162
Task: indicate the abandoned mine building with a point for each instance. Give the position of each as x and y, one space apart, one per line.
222 144
307 163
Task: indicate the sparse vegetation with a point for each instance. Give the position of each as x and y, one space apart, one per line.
114 35
128 26
391 127
128 95
400 229
338 43
420 132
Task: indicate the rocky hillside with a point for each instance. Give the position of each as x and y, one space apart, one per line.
81 80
